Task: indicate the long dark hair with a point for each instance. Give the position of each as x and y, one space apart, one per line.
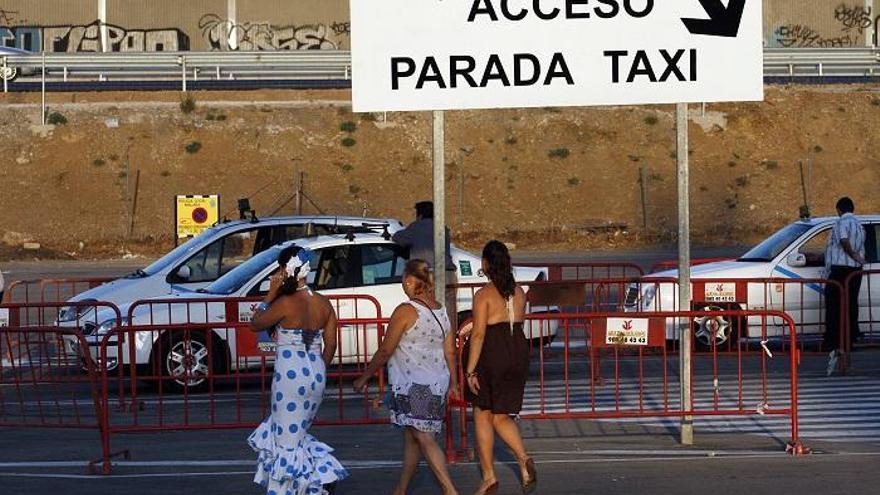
290 283
498 268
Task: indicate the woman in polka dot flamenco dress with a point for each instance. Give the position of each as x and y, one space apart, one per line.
290 460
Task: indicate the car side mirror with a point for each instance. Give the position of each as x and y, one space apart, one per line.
184 273
796 260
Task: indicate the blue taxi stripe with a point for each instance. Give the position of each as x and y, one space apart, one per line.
790 274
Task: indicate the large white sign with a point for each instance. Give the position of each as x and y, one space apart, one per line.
460 54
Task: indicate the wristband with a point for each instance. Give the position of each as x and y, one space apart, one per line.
263 306
471 374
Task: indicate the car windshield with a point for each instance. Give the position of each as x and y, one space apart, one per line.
163 262
243 273
770 248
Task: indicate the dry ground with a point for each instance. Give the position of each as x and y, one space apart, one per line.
551 178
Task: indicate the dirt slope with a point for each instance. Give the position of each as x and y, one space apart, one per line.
545 179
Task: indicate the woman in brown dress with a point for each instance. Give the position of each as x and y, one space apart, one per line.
497 366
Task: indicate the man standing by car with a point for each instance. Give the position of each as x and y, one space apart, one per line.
418 237
844 255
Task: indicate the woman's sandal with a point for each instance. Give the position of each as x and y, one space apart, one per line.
488 490
530 483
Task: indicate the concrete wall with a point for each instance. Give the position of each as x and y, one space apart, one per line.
819 23
167 25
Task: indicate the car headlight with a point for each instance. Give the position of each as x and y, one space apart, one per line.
648 297
110 324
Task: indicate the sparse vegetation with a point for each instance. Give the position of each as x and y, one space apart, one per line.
573 181
348 126
56 118
633 158
559 153
731 164
817 149
651 120
354 189
348 142
770 164
165 173
122 174
510 139
370 117
114 157
346 167
193 147
742 181
98 162
187 105
875 102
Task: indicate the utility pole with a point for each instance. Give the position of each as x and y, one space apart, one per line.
684 270
439 144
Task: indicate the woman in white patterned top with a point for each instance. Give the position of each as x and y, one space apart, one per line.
420 352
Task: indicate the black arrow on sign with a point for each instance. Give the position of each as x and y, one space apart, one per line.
721 22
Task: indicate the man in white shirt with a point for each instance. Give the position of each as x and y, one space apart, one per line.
844 256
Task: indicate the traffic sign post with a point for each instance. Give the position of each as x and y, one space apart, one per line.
410 55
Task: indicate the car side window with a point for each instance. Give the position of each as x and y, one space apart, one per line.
381 264
814 248
238 248
204 265
262 288
335 268
219 257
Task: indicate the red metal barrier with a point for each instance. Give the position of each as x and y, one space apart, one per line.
194 364
869 327
570 272
616 366
803 299
49 290
662 266
41 386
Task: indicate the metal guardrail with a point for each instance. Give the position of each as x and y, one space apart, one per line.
335 65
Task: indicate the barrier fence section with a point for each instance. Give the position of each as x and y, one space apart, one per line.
47 377
562 272
49 290
664 265
621 369
193 364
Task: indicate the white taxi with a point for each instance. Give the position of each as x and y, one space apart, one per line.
795 253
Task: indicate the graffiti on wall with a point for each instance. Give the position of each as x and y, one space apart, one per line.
87 38
223 34
853 17
851 22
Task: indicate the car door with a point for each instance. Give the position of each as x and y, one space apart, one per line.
217 258
804 302
379 275
337 274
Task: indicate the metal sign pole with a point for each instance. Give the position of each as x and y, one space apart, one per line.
439 143
684 270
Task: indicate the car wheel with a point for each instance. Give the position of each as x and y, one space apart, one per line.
722 332
184 363
8 73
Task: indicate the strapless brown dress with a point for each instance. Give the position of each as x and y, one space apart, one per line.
502 369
